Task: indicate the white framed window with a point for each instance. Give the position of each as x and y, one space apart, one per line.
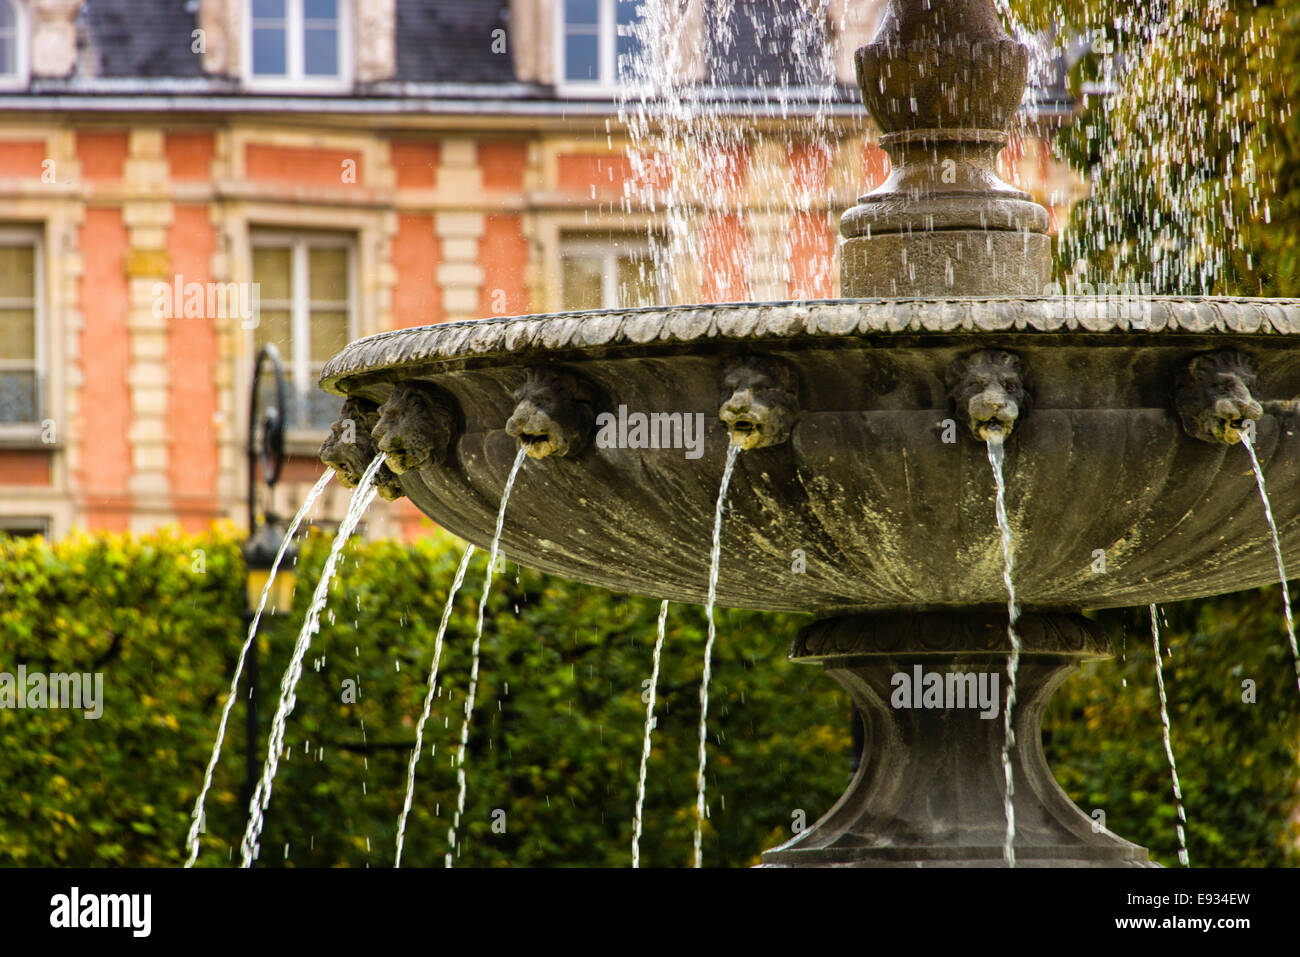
14 33
22 332
596 43
607 271
307 309
297 45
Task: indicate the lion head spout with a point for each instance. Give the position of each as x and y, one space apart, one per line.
555 413
760 401
989 392
415 427
350 448
1214 397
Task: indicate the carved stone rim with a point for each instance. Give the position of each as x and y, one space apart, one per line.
517 336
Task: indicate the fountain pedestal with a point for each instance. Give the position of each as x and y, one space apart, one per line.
929 790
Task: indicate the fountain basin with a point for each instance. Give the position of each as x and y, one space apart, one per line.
878 499
865 494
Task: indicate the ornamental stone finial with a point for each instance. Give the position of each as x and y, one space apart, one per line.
941 78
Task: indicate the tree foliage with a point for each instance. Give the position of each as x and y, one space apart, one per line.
555 741
1186 133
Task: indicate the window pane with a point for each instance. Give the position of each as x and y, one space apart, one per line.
320 408
320 10
636 282
320 51
6 15
17 334
7 65
626 12
271 273
268 51
329 274
17 272
268 9
329 333
275 327
582 11
581 57
327 286
583 282
17 396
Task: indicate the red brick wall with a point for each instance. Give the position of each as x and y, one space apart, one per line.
502 163
104 355
102 155
503 254
192 365
24 467
304 167
579 172
22 158
417 297
415 163
189 156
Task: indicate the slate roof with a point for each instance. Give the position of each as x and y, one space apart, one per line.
762 38
141 37
450 41
438 42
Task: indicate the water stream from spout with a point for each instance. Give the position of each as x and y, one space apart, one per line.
1169 749
733 452
428 700
645 743
996 456
196 823
474 653
1277 553
362 496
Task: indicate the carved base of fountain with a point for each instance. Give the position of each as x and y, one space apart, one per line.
929 790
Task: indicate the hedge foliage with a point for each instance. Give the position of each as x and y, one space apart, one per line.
555 740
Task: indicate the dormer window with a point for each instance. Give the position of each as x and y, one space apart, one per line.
598 41
13 44
297 44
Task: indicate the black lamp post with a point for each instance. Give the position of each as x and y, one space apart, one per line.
265 533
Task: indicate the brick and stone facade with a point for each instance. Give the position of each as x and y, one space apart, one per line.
456 203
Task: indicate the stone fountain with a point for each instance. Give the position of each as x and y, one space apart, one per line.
864 421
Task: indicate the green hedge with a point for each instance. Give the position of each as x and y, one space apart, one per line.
556 735
1237 759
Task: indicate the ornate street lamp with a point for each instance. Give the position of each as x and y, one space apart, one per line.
265 531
